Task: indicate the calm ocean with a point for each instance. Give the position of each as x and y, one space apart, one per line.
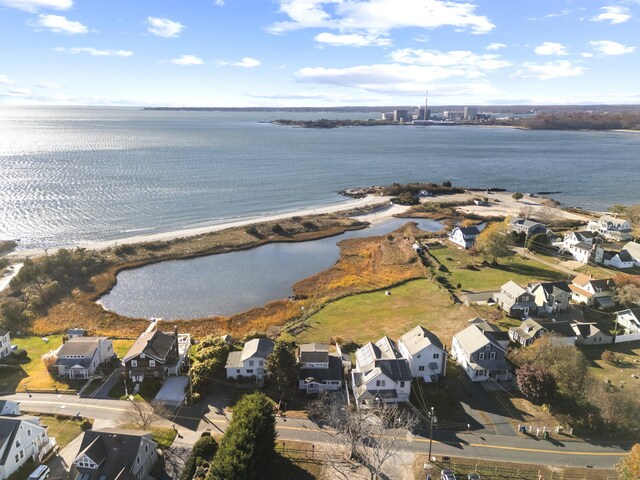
71 175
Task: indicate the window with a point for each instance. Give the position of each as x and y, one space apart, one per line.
421 368
481 355
152 363
380 383
134 363
402 384
418 356
488 347
146 448
29 433
21 454
492 355
436 355
238 370
17 458
142 355
249 370
251 362
260 363
17 443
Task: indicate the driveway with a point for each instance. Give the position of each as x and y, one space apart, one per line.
60 464
105 388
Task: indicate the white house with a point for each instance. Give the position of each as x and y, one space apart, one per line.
114 454
590 334
465 237
9 407
424 351
80 356
621 259
22 439
480 355
633 249
629 319
319 370
551 297
250 361
612 228
586 290
5 343
580 245
381 374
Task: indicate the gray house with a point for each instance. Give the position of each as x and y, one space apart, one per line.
528 227
319 370
79 357
527 332
481 356
551 297
515 300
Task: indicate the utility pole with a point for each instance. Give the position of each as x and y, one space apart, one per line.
431 419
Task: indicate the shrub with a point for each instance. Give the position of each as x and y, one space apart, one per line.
610 357
205 447
124 250
85 424
20 353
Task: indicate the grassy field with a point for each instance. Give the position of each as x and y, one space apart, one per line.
64 430
296 461
369 316
484 278
33 373
121 347
620 375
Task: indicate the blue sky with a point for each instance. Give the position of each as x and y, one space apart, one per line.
318 52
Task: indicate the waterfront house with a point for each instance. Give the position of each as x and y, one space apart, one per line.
425 353
580 245
465 237
5 343
381 375
629 319
592 292
319 370
612 228
551 297
9 408
22 440
588 333
528 227
79 357
480 355
157 354
516 301
250 361
75 332
633 249
561 333
113 454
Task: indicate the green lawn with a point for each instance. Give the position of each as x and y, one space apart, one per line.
620 374
163 436
484 278
64 430
121 347
369 316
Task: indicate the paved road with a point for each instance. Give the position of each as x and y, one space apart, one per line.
189 421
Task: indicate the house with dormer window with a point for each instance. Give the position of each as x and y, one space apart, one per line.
425 353
516 301
250 362
465 237
79 357
592 292
320 370
114 454
480 355
22 440
612 228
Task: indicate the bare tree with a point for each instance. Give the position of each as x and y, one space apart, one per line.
369 437
547 215
143 414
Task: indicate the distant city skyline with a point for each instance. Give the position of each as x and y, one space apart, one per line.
314 53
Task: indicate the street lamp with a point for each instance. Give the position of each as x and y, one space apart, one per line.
432 419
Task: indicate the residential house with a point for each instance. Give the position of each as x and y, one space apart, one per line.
480 355
425 353
496 333
114 454
592 292
551 297
516 301
319 370
465 237
5 343
580 245
612 228
79 357
9 408
157 354
530 330
381 375
22 439
528 227
629 319
633 249
590 334
621 259
250 361
75 332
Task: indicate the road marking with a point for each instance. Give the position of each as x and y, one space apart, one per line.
539 450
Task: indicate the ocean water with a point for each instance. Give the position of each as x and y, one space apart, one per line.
70 175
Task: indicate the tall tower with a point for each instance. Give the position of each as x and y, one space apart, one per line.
426 106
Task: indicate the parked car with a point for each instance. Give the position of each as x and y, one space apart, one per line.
473 476
40 473
447 475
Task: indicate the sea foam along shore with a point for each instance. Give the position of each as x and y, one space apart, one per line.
378 215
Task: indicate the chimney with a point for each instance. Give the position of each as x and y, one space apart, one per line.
175 331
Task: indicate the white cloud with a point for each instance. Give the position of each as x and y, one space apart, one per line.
455 58
353 40
549 70
20 91
613 14
608 47
164 27
4 80
246 62
60 24
187 60
35 5
218 2
551 48
48 85
495 46
379 16
95 51
586 55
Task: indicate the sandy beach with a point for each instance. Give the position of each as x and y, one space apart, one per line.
373 217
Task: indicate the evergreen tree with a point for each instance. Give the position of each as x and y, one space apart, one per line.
282 364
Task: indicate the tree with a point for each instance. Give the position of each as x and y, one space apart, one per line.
143 414
610 357
282 364
628 294
538 242
536 383
247 448
49 359
494 242
517 196
629 467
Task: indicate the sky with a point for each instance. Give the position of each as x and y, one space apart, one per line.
283 53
